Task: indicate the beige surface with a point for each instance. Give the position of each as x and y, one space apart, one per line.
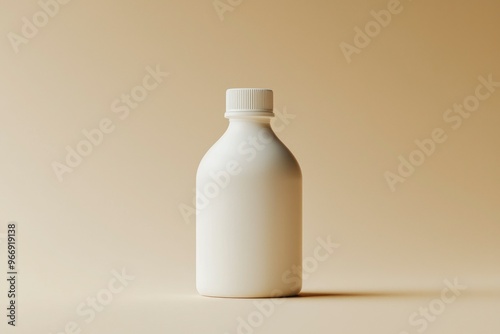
119 208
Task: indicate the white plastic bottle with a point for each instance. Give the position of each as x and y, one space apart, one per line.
249 206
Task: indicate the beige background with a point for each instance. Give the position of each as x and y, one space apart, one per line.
120 207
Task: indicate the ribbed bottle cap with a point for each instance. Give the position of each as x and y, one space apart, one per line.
254 101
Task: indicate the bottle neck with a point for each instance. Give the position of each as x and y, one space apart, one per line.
250 122
251 127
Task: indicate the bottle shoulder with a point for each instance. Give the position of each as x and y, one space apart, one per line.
253 151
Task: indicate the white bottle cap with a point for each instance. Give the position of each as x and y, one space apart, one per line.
249 101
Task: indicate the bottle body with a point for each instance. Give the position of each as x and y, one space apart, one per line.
249 214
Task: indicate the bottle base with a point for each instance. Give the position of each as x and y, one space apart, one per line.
277 294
